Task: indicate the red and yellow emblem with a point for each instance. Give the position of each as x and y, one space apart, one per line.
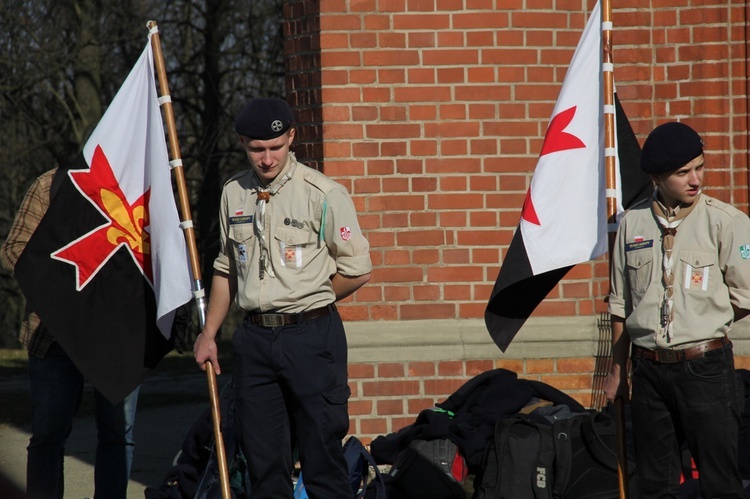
124 225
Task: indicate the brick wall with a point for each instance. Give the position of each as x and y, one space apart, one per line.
432 114
387 396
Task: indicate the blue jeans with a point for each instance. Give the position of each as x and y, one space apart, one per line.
695 401
56 390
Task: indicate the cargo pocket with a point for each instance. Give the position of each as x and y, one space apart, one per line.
338 416
338 395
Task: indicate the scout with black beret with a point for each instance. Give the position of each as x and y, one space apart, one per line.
290 247
680 278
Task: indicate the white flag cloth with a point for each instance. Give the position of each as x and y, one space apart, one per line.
564 217
131 137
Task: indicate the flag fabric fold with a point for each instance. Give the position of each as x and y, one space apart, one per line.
107 267
563 219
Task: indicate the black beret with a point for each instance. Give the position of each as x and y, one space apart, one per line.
670 146
264 118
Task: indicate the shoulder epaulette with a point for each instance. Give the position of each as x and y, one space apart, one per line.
238 176
318 180
722 206
640 205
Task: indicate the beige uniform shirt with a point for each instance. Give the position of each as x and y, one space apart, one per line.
309 232
711 272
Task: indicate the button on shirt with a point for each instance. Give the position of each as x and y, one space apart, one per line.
311 232
711 272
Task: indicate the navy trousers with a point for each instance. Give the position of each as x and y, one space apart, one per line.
291 387
699 402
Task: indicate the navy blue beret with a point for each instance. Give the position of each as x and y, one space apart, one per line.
264 118
670 146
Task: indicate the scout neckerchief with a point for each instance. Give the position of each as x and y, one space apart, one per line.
264 195
669 220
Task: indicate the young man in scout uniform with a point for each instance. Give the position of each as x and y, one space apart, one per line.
291 246
680 278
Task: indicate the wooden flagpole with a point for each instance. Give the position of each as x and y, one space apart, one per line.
187 226
610 157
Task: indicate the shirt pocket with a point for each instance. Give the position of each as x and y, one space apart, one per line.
293 247
698 271
640 266
240 241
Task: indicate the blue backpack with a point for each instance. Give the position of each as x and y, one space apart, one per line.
358 462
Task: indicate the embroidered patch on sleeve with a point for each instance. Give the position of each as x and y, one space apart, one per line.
745 251
346 233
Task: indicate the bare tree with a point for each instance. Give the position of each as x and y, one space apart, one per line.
62 61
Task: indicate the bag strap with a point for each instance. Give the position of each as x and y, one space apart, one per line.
591 432
544 450
562 435
545 460
379 481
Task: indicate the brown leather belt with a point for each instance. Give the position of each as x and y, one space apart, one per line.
670 356
269 319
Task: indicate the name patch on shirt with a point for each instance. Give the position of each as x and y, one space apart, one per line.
637 245
244 219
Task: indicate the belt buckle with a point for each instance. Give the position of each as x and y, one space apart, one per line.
668 355
271 320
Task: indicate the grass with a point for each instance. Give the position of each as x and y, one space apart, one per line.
14 408
12 362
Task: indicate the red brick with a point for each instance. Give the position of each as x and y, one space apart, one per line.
421 369
361 371
390 370
451 368
373 426
456 292
390 407
415 406
475 367
431 311
428 256
426 293
360 407
576 365
443 386
390 388
383 312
